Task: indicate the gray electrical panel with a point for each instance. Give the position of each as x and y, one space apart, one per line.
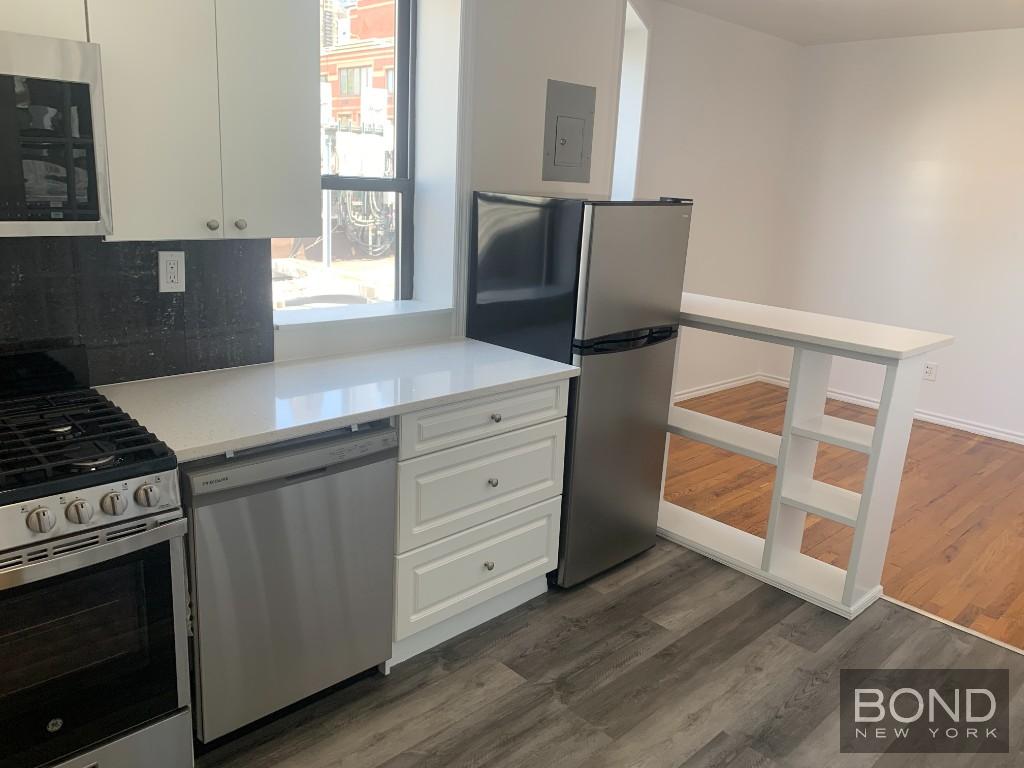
568 131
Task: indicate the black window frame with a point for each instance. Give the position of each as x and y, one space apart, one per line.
403 182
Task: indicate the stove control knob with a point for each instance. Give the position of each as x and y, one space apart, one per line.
114 503
147 495
79 511
41 520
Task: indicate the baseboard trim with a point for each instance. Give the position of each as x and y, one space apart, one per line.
424 640
718 386
964 425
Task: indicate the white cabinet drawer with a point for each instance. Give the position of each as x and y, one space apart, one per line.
448 425
443 579
450 491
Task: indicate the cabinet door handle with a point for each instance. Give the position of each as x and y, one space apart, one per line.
213 225
241 223
489 565
496 418
493 482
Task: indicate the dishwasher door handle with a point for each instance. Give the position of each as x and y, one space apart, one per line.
305 475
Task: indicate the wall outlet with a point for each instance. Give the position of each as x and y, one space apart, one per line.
172 271
931 371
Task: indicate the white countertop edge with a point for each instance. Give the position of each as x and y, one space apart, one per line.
702 322
262 439
928 342
188 411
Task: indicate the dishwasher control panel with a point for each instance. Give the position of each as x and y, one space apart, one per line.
297 460
355 448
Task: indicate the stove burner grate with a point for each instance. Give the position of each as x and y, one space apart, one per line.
49 442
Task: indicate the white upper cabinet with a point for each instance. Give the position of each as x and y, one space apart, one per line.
163 131
49 18
213 116
268 54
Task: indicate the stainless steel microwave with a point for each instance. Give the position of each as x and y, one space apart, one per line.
53 160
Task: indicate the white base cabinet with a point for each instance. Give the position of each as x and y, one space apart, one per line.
450 425
447 492
479 511
459 572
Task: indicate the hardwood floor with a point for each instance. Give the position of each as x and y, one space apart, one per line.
957 548
671 660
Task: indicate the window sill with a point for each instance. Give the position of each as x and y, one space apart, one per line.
329 331
295 319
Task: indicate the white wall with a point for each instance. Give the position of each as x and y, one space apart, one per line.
631 104
881 180
53 18
910 191
717 123
519 45
439 24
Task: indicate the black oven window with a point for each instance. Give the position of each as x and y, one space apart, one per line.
84 656
47 160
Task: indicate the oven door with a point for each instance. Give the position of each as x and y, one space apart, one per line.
53 165
92 646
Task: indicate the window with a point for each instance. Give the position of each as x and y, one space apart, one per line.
364 254
354 79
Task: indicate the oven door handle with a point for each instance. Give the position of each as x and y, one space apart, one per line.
47 569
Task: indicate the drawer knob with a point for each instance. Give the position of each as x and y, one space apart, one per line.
489 565
493 482
496 418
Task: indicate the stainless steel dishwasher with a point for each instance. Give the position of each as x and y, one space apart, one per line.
292 555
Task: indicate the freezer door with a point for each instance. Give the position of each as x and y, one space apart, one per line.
631 269
521 290
615 455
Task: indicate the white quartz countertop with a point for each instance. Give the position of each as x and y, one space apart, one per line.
205 414
790 326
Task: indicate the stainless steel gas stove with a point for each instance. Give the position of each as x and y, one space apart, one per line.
93 601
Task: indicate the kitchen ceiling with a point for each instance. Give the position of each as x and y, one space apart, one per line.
811 22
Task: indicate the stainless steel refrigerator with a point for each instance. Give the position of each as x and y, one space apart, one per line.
598 284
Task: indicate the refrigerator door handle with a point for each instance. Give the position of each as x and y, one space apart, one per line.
622 342
665 333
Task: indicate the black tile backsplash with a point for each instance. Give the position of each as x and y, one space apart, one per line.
106 297
37 290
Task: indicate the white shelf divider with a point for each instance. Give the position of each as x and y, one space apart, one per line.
841 432
778 559
716 540
728 435
822 499
809 579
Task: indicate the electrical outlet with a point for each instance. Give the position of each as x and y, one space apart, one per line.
172 271
931 371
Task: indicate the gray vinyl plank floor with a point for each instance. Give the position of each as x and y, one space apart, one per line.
669 661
